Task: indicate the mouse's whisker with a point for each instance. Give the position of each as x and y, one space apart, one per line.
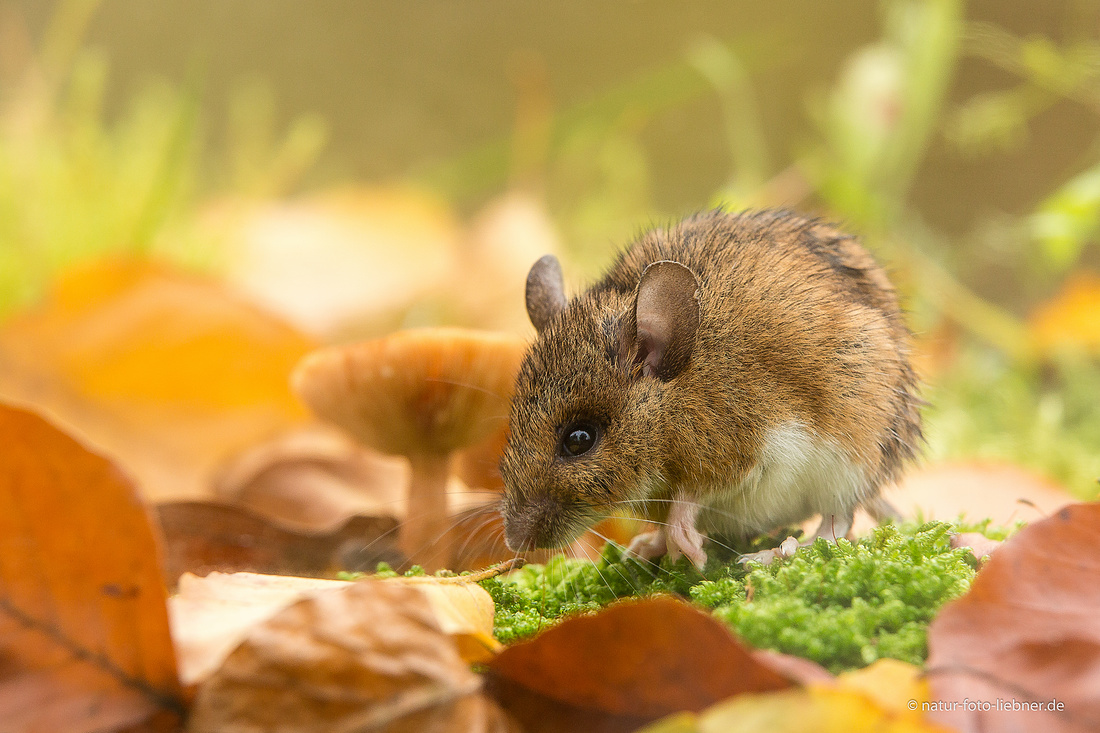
467 385
607 539
708 508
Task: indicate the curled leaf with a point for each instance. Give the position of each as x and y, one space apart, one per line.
1021 650
366 657
212 615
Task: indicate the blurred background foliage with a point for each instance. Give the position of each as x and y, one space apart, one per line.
960 140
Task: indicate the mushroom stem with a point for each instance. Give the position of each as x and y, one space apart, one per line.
424 537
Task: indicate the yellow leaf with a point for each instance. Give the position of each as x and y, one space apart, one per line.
891 683
877 699
464 611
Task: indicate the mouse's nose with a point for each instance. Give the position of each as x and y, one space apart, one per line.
532 524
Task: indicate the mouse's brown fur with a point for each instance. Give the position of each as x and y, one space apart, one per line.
795 326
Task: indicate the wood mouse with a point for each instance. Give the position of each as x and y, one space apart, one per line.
733 374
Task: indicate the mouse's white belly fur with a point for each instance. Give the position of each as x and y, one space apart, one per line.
799 474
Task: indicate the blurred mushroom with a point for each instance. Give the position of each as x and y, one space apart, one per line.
479 465
423 394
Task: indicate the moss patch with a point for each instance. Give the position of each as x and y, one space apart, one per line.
842 605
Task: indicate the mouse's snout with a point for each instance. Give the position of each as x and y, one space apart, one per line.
538 522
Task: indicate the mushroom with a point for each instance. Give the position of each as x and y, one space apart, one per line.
424 394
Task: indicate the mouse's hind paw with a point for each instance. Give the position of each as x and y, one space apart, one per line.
785 550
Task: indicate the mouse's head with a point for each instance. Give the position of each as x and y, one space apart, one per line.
587 426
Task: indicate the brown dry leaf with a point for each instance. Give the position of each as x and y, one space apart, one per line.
1027 631
84 633
200 537
623 667
314 478
212 614
877 699
1071 320
797 669
367 657
1000 491
166 372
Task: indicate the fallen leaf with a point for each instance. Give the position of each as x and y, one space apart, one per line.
463 610
890 683
165 372
84 633
211 615
200 537
884 697
820 709
1026 633
313 478
977 490
623 667
366 657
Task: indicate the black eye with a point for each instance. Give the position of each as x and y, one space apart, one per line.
578 439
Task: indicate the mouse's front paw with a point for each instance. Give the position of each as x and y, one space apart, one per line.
685 540
648 545
765 557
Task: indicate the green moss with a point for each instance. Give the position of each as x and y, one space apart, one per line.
843 605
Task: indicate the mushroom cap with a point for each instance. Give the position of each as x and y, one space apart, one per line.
423 391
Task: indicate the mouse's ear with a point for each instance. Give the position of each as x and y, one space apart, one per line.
545 291
660 333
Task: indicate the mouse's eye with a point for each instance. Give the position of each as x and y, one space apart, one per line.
578 438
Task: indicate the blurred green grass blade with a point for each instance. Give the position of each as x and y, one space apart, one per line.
929 33
64 36
474 172
179 150
1067 220
744 129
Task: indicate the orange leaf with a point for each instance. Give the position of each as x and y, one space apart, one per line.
166 372
1026 633
625 666
83 623
1070 320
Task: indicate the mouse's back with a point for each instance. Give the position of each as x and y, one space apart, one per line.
797 321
